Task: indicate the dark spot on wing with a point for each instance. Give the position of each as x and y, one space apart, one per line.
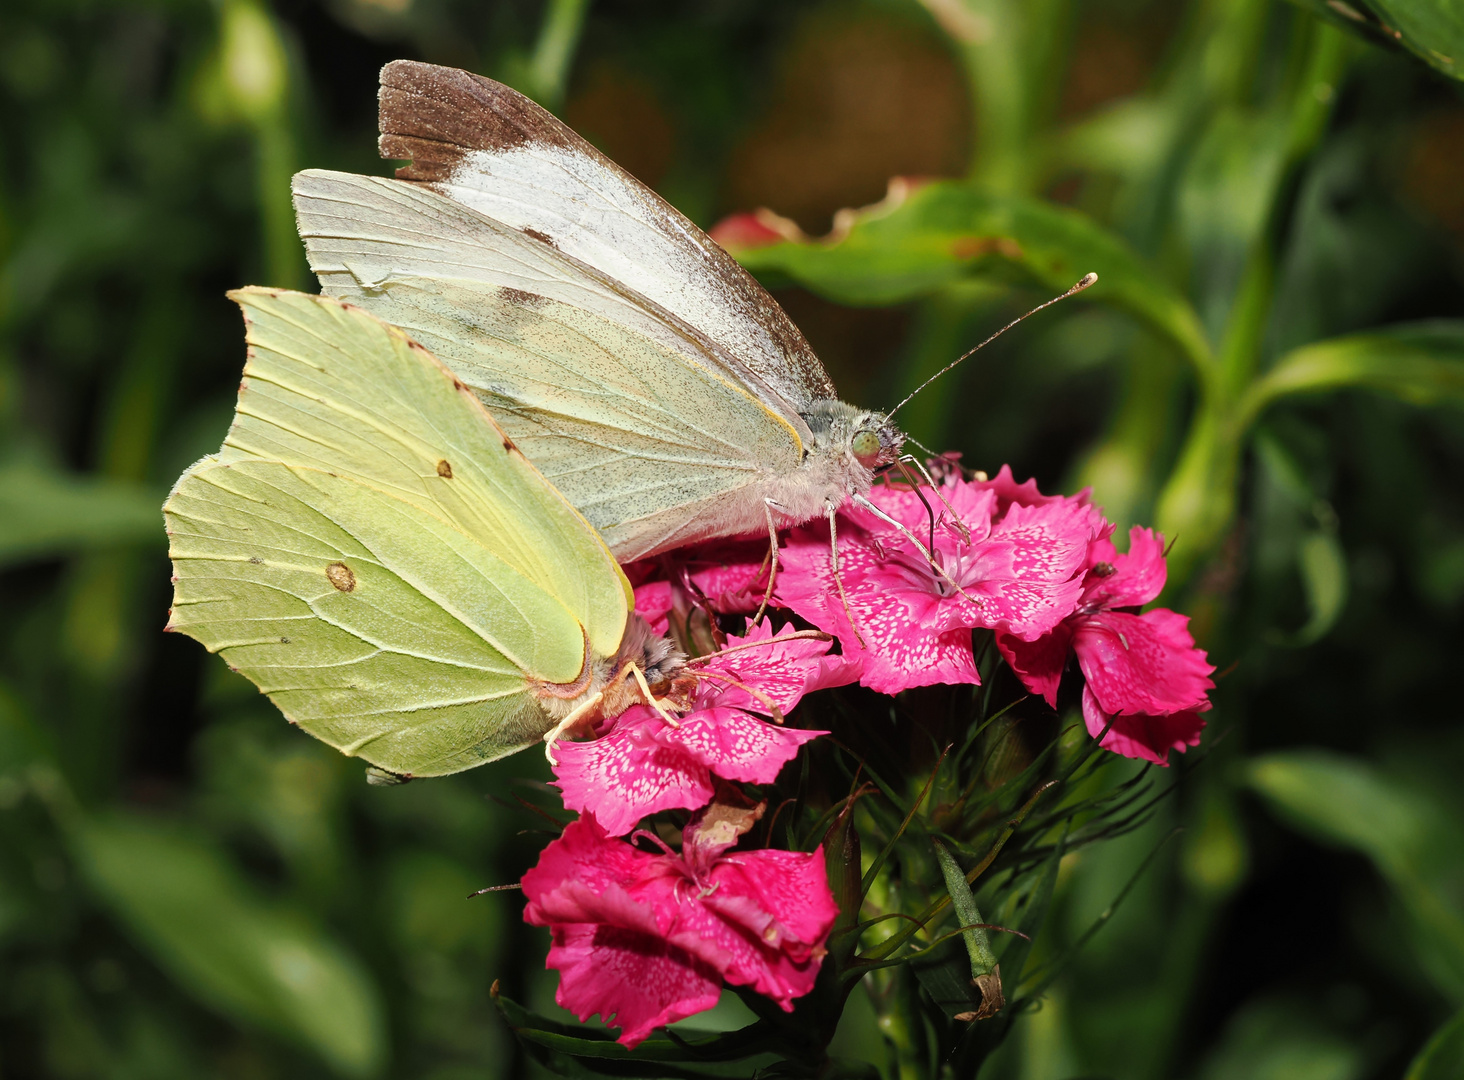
508 445
341 576
520 298
284 641
256 560
444 470
542 237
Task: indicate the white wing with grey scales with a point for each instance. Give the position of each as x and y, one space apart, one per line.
492 149
362 232
613 406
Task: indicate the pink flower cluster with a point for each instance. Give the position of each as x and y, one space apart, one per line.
646 937
649 938
1040 571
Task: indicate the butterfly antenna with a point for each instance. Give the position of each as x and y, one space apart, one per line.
1088 279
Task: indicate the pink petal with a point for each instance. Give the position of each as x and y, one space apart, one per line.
744 232
1149 738
733 587
636 981
1041 582
643 764
1145 664
1133 579
1008 492
730 575
791 887
1039 664
629 772
1021 575
742 958
902 622
641 938
763 919
580 854
974 505
653 603
782 672
736 746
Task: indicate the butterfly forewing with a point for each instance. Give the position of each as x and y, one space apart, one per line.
619 410
643 370
496 151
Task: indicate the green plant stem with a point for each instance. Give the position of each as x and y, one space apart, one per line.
554 52
1198 501
1008 49
274 148
1121 469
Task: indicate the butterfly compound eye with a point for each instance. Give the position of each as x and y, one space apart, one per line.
866 447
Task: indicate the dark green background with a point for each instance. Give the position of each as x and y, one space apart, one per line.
190 888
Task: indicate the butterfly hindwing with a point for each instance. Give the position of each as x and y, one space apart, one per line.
329 386
377 556
367 626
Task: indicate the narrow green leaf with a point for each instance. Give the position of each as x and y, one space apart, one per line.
1343 802
45 512
1432 30
1442 1057
911 244
977 945
1323 566
258 963
1421 363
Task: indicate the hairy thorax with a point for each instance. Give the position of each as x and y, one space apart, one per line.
610 678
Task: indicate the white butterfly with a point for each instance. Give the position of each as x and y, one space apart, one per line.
647 375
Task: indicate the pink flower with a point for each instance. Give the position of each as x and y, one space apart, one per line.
730 576
646 939
1142 669
643 764
1019 572
1137 735
1008 492
781 672
640 764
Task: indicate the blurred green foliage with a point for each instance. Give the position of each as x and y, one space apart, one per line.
1269 368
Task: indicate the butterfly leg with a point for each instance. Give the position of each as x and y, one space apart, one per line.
768 505
865 504
651 699
838 578
557 732
766 702
911 459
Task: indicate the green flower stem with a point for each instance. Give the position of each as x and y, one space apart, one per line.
559 37
275 164
1198 502
1121 467
1008 49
